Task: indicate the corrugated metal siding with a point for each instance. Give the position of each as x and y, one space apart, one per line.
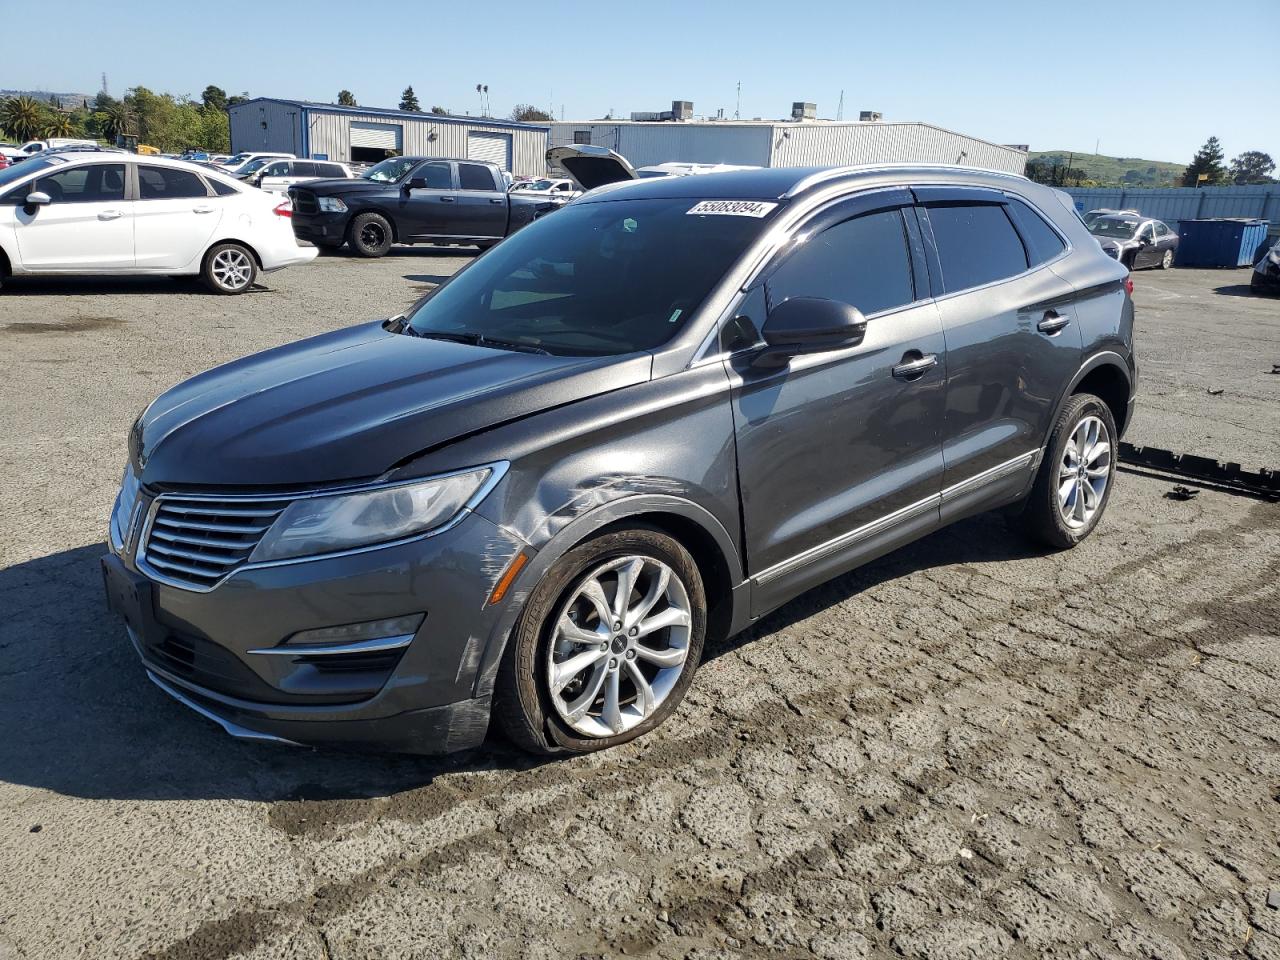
803 144
330 133
282 132
649 143
1172 204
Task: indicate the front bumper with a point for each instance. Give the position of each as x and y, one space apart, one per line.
1266 277
321 228
198 645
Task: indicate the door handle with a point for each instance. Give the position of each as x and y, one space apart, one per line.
914 369
202 209
1053 322
110 215
446 199
496 199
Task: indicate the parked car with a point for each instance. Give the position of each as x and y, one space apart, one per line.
413 200
1266 272
32 147
634 427
279 175
9 151
1093 215
555 189
4 161
594 166
93 212
244 164
1136 241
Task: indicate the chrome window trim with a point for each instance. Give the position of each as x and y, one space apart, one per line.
499 470
890 520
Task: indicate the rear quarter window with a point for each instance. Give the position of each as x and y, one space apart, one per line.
1042 241
976 243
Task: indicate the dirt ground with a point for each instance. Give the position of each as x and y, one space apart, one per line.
968 749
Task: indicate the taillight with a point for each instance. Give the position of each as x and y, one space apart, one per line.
286 210
1128 284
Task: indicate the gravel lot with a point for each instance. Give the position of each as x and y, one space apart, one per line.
968 749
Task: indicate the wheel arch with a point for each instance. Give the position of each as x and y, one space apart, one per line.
1106 375
380 211
6 265
692 526
204 257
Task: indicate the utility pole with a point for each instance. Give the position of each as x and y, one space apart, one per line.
104 82
737 110
840 108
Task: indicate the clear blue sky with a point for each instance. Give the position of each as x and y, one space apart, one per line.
1150 81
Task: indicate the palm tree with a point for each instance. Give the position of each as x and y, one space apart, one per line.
115 121
57 125
23 117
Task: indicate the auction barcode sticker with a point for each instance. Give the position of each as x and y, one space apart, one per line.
732 208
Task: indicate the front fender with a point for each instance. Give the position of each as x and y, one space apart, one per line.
569 536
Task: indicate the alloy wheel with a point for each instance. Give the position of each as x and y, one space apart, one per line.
232 269
1167 261
1084 472
619 646
371 236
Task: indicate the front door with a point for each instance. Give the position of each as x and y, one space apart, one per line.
428 201
87 225
482 206
174 215
1012 335
839 453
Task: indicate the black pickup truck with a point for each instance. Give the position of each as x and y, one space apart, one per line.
412 200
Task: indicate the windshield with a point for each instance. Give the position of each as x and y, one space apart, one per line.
20 170
535 185
594 279
1113 228
255 165
389 170
237 159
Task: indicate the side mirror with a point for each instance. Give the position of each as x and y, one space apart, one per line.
416 183
38 198
809 325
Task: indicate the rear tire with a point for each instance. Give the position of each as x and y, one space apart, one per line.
370 235
1166 262
1073 484
561 622
229 269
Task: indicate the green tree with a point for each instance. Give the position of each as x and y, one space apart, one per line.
440 111
238 99
409 100
1252 166
114 120
22 117
57 125
215 132
346 98
1207 163
214 98
528 113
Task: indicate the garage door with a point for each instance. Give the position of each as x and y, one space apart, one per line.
383 136
490 147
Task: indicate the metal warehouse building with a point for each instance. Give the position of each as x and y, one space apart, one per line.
327 131
781 143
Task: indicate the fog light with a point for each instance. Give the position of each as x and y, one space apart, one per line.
354 632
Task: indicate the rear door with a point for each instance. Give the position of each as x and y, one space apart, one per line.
87 226
840 453
175 214
1012 340
428 201
482 204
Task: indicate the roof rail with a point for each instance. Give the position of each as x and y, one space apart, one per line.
836 173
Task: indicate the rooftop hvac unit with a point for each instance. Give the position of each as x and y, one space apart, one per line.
867 116
681 109
804 111
649 116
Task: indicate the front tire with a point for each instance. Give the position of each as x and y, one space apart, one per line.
371 235
229 269
1073 484
1166 262
606 647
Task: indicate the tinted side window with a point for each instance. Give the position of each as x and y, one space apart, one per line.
1043 243
437 175
472 176
90 183
1161 230
329 170
863 261
976 244
165 183
222 189
301 168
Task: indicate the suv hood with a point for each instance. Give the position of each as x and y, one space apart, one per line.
592 166
349 406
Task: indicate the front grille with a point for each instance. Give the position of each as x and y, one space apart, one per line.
304 201
196 541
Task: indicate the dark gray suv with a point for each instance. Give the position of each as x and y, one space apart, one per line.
640 423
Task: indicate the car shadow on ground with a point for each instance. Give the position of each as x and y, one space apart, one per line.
111 286
81 718
1235 290
435 279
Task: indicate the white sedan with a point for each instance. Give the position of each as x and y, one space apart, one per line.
110 214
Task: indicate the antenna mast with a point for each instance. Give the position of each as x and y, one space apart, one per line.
737 110
840 108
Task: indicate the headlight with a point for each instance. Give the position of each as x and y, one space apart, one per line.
1274 255
332 205
316 525
122 512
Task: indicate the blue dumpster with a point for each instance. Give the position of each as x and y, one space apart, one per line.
1219 242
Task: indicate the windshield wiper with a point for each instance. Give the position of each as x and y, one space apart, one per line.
480 340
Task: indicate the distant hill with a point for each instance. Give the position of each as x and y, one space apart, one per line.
1106 171
65 100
